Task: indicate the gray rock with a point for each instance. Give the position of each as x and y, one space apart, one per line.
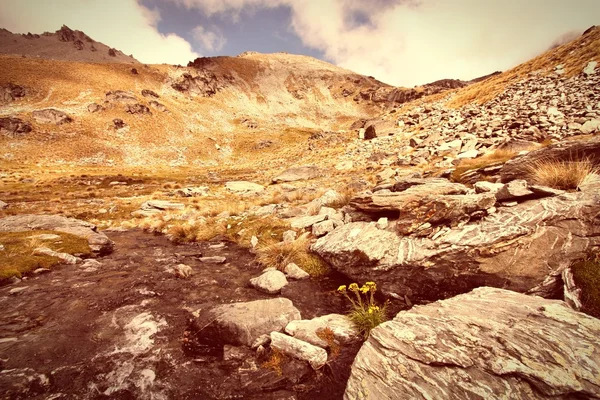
306 222
513 190
590 68
270 282
51 116
289 236
192 191
236 353
161 205
590 126
298 173
322 228
93 108
213 260
487 187
382 223
315 356
342 328
3 205
243 323
14 127
182 271
64 257
98 241
490 343
295 272
244 187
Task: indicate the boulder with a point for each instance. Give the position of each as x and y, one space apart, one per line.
487 187
513 190
157 106
95 108
298 173
590 126
244 187
98 241
149 93
242 323
515 248
370 133
315 356
120 96
10 92
270 282
14 127
307 221
63 257
487 344
322 228
138 109
51 116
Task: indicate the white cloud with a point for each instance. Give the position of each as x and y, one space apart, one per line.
210 40
122 24
409 42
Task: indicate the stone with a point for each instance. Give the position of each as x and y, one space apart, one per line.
98 242
64 257
242 323
306 222
182 271
93 108
119 123
270 282
243 187
149 93
161 205
344 165
3 205
487 187
468 154
236 353
489 343
289 236
300 173
513 190
253 241
341 326
322 228
515 248
14 127
157 106
121 96
295 272
213 260
51 116
590 126
138 109
192 191
382 223
315 356
370 133
11 92
590 68
90 263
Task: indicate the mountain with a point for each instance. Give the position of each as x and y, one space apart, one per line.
64 44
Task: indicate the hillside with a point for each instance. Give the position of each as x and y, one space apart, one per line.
64 44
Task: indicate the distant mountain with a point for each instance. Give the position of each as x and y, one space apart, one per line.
64 44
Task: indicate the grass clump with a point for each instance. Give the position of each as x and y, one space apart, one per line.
280 254
496 157
276 360
18 256
365 313
587 277
565 175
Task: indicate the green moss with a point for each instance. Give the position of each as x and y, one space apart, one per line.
17 258
587 277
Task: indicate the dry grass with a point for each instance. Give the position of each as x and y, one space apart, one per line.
498 156
280 254
565 175
18 258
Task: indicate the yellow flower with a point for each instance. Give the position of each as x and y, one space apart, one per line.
370 311
372 286
342 289
364 289
353 287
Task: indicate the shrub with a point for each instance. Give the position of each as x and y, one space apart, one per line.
365 313
565 175
587 277
280 254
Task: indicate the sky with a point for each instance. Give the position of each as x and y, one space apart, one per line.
400 42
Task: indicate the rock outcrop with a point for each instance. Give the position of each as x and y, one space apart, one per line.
98 242
489 344
51 116
14 127
512 247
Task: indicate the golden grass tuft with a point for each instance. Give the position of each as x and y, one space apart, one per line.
497 156
280 254
564 175
17 258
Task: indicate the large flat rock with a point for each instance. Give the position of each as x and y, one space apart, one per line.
98 241
487 344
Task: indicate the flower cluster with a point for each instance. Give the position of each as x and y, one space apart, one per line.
365 313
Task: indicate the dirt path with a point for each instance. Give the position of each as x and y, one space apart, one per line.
115 332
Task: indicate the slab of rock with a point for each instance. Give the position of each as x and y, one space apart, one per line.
213 260
322 228
138 109
14 127
243 323
161 205
51 116
121 96
64 257
490 343
244 187
487 187
590 126
271 282
3 205
192 191
93 108
295 272
307 221
149 93
308 330
298 174
98 241
315 356
513 190
289 236
515 247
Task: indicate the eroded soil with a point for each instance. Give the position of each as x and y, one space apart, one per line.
115 331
